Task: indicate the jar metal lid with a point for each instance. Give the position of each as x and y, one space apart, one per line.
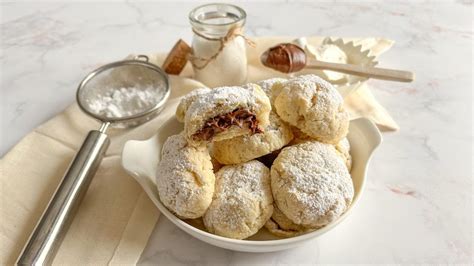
202 14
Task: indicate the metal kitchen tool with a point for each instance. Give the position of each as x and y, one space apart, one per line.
137 73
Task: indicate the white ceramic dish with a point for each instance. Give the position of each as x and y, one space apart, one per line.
355 56
140 159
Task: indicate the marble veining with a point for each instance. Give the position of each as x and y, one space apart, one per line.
417 205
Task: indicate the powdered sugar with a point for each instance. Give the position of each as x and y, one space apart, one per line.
222 101
272 87
310 85
315 107
251 177
185 179
187 100
124 102
311 185
242 201
230 97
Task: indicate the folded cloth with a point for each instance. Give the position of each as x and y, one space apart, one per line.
116 217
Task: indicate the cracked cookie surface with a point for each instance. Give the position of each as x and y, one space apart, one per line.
242 201
248 147
311 184
343 147
208 118
282 226
185 179
315 107
272 87
187 100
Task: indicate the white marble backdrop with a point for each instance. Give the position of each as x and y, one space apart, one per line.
417 206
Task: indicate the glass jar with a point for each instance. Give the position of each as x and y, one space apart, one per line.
219 53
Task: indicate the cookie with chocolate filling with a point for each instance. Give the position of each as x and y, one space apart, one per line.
245 148
225 113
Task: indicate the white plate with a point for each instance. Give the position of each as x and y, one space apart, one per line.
140 159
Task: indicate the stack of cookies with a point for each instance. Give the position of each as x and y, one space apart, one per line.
272 154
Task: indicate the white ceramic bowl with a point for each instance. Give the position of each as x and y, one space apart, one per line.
140 159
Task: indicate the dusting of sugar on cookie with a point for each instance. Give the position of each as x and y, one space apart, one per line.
219 102
315 107
242 201
187 100
223 96
185 179
310 183
272 87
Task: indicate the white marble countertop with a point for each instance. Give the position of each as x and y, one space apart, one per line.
417 206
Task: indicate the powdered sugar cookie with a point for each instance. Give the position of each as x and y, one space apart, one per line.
299 136
272 87
185 179
311 184
187 100
343 148
226 112
242 202
315 107
248 147
281 226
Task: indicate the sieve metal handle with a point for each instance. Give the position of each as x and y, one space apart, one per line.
51 229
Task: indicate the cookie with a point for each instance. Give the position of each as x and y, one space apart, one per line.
281 226
272 87
343 148
299 136
185 179
315 107
227 112
248 147
311 184
242 202
187 100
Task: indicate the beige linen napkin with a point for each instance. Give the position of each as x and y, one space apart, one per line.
114 222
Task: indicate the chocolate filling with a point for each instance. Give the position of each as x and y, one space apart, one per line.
239 117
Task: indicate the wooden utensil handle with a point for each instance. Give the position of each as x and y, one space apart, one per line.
363 71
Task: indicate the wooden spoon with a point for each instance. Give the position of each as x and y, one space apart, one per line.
288 58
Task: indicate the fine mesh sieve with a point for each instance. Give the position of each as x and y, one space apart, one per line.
136 74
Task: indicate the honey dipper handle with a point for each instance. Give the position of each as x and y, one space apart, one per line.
363 71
